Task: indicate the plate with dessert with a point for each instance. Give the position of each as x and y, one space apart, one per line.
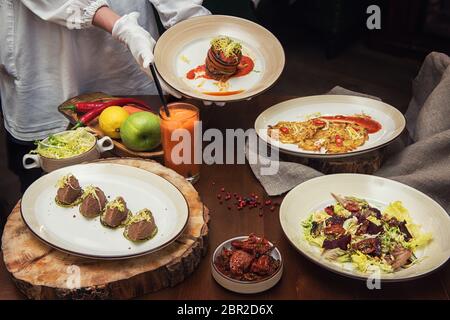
219 58
104 211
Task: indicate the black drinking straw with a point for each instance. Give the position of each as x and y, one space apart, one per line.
160 92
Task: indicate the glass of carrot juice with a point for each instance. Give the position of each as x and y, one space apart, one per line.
178 139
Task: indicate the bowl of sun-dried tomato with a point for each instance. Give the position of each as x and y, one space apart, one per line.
247 264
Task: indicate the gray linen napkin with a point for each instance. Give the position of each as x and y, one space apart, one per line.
423 164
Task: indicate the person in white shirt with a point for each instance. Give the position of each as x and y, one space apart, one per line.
53 50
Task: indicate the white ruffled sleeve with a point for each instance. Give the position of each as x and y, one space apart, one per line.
72 14
171 12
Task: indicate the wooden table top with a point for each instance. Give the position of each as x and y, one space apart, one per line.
302 279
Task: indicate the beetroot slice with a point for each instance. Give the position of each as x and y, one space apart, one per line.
342 243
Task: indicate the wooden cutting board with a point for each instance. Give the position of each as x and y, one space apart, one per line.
119 148
41 272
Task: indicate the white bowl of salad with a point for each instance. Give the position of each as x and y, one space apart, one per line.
367 227
65 149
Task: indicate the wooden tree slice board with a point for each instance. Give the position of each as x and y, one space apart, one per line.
42 272
119 148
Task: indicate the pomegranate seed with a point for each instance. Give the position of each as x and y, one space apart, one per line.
272 208
268 202
219 196
222 189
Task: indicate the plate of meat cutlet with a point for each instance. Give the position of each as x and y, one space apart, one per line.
104 211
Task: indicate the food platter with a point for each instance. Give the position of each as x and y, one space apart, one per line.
67 230
314 194
302 109
184 47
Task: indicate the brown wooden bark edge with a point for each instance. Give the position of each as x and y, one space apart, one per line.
41 272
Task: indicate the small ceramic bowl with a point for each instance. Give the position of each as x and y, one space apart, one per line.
31 161
246 287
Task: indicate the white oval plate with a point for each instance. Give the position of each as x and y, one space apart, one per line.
314 194
184 47
393 122
80 236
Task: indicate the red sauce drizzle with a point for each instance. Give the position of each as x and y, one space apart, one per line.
366 122
223 93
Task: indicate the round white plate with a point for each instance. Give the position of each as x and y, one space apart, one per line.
314 194
393 122
184 47
67 230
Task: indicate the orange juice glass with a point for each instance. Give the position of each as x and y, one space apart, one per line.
182 116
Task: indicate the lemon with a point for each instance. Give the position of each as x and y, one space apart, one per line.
111 119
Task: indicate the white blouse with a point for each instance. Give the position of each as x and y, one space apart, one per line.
49 53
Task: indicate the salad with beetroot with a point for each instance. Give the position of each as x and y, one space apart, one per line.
352 231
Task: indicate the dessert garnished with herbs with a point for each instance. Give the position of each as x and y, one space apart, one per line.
115 214
94 201
352 231
69 191
141 226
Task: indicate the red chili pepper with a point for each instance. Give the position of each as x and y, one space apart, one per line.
318 122
284 130
92 114
89 116
338 140
84 107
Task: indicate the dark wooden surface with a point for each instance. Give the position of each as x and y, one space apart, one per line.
302 279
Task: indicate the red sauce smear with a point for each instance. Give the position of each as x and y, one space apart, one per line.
198 72
245 66
366 122
223 93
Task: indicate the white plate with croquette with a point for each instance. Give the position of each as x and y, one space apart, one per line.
66 229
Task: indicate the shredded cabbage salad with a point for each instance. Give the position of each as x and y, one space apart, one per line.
65 145
352 231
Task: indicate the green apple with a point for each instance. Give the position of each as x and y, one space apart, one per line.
141 131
